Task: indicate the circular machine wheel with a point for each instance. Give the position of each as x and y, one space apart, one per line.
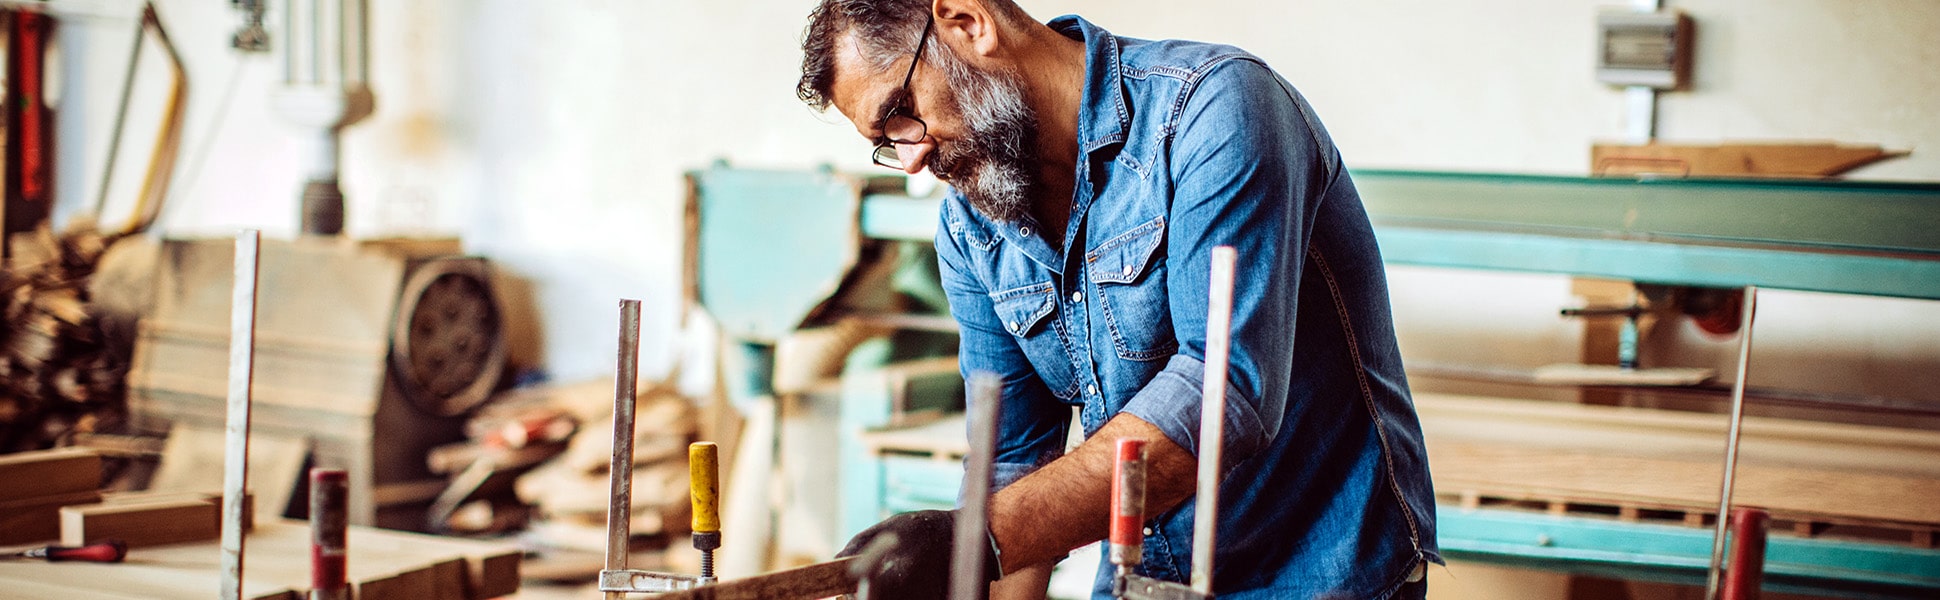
447 340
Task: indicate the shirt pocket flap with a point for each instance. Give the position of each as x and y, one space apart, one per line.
1023 309
1125 258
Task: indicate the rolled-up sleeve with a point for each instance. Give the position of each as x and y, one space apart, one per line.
1248 172
1032 424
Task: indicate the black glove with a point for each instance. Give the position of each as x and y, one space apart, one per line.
918 568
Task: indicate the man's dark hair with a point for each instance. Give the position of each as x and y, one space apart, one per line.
884 32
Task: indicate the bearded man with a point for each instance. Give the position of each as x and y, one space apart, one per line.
1091 176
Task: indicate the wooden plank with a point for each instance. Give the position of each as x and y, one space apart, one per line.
1680 435
38 519
393 564
44 473
1678 482
142 524
487 569
192 462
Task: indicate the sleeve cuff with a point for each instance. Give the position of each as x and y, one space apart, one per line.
1172 402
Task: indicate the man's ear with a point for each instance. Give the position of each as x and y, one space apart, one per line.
968 26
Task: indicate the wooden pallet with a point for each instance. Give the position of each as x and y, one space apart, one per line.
1917 535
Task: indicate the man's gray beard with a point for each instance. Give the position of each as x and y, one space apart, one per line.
994 164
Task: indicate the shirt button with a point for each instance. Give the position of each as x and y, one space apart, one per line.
1014 326
1091 389
1128 270
1023 231
1148 531
1077 297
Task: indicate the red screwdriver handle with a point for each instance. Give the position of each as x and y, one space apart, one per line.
111 551
1128 503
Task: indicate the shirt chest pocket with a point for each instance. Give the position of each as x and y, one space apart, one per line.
1129 273
1026 313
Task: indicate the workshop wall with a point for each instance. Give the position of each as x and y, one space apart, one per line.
552 135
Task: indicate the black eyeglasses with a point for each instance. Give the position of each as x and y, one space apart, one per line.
897 127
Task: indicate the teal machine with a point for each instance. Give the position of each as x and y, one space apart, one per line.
1874 239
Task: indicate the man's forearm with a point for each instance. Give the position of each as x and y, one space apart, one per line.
1062 506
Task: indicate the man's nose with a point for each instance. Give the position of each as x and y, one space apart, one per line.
915 155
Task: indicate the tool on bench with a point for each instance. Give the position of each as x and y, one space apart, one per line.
821 580
616 579
110 551
1128 481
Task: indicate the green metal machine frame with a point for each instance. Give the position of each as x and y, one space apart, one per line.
1840 237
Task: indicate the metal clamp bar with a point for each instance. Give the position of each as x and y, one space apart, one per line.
235 461
1219 335
967 581
634 581
618 532
1139 587
1731 442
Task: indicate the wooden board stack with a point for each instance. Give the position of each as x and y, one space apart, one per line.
34 486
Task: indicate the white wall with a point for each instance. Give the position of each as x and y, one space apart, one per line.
551 135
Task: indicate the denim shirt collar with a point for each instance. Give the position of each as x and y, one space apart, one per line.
1102 119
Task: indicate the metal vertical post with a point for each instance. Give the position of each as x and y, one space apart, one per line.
620 509
1212 419
235 460
967 580
1731 441
1640 101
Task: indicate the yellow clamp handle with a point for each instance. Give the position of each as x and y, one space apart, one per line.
704 481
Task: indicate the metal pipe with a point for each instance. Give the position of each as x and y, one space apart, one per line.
1731 441
1746 578
235 463
967 580
1212 419
329 529
620 507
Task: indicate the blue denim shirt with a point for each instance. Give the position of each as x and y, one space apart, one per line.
1187 146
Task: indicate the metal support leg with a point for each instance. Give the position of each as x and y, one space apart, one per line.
1731 442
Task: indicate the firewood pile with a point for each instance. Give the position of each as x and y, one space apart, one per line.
548 450
63 357
572 492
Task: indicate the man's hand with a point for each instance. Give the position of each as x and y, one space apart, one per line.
918 568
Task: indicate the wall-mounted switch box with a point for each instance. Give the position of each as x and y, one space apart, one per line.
1649 49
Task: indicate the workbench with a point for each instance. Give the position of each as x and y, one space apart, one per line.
383 565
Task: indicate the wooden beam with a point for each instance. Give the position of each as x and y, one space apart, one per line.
49 473
1799 470
141 524
38 519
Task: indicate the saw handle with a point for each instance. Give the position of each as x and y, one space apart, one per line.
110 551
1128 503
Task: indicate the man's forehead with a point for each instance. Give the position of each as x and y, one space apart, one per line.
858 87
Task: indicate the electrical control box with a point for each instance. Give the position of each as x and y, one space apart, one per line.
1647 49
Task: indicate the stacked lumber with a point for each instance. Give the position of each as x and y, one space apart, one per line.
571 492
383 565
1801 471
34 486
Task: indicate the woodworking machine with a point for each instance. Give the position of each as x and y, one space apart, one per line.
1872 239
